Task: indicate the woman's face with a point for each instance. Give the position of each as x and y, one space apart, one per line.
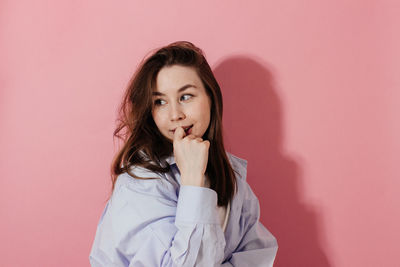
180 99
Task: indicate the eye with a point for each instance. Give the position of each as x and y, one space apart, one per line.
186 97
159 102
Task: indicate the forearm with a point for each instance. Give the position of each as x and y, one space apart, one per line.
197 206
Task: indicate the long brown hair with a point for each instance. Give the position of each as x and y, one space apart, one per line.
144 145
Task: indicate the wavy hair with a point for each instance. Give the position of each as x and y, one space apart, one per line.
144 145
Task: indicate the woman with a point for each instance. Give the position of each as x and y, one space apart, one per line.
178 198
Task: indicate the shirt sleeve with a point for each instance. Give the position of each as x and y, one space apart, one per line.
144 226
258 247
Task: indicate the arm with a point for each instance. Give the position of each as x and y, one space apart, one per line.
139 227
258 246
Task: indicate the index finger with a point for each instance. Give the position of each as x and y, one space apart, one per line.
178 134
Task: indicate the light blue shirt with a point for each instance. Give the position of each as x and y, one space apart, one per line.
157 222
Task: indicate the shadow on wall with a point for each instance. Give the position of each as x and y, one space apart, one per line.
253 118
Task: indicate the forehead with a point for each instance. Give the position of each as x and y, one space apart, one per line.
171 78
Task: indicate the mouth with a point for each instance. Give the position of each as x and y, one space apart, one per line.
187 129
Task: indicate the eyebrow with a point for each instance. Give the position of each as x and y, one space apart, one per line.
183 88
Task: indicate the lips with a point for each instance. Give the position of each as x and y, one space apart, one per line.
187 129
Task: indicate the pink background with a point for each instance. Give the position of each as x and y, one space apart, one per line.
312 101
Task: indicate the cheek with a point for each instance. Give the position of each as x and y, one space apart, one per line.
205 111
208 108
158 119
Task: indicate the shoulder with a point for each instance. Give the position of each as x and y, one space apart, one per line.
140 201
138 211
146 184
245 193
239 165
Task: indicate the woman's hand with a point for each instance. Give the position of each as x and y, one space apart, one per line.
191 157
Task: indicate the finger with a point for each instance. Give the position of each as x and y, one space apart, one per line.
190 136
207 143
199 139
178 134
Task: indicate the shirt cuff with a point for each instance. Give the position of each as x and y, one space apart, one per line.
197 205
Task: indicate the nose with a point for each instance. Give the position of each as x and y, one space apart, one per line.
176 112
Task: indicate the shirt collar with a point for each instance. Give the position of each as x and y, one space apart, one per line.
170 159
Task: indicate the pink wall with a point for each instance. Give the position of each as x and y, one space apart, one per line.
312 100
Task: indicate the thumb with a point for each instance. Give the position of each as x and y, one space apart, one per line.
178 134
